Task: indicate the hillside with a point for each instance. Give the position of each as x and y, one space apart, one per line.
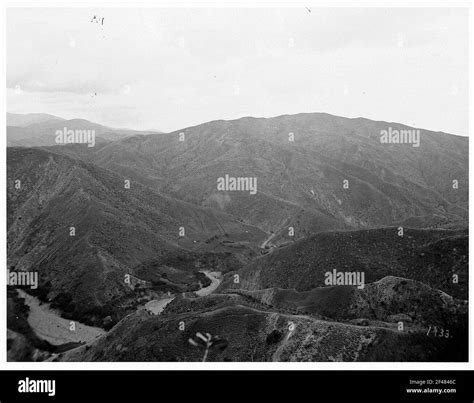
300 183
429 256
262 333
117 230
383 300
268 276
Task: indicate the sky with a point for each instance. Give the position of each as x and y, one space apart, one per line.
170 68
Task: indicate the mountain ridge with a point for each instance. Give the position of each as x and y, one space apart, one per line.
397 179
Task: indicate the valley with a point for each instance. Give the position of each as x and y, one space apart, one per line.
135 241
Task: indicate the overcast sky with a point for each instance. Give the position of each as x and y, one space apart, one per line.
168 69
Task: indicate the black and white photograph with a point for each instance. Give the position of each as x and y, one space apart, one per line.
253 184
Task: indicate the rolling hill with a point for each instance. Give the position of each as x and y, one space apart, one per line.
267 333
430 256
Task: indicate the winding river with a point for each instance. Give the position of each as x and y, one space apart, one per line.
156 306
50 326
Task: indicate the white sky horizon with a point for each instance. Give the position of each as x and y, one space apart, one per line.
167 69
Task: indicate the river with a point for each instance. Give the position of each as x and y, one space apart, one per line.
156 306
215 278
50 326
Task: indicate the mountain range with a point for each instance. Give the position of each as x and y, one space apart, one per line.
39 129
330 196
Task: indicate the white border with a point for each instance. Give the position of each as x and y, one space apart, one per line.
224 365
